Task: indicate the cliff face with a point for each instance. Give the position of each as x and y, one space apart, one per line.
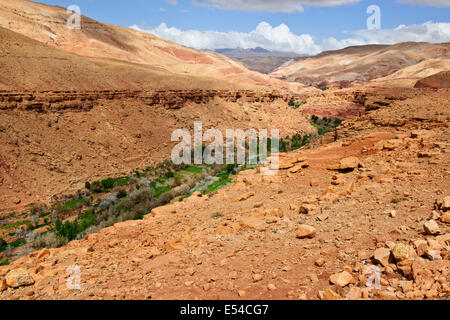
50 101
53 142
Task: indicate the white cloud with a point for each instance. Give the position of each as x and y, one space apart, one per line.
271 38
281 38
426 32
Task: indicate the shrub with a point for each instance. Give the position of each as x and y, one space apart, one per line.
3 243
170 174
105 204
87 185
121 194
4 262
96 187
108 183
68 230
47 240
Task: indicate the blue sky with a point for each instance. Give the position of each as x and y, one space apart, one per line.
321 23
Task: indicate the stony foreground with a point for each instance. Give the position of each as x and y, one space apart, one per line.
376 200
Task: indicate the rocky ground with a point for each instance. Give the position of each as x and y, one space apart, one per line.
333 216
53 142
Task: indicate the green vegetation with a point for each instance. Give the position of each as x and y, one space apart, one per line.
295 105
325 124
73 204
17 225
121 194
70 230
122 182
170 174
17 243
3 243
45 214
4 262
295 142
194 170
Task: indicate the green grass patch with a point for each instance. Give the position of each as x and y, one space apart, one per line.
159 191
194 170
14 244
72 204
216 185
45 214
122 182
16 225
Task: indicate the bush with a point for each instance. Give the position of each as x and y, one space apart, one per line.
48 240
3 243
170 174
96 187
4 262
68 230
87 185
121 194
105 204
108 183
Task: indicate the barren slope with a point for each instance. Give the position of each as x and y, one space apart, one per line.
27 64
371 213
409 76
365 63
47 24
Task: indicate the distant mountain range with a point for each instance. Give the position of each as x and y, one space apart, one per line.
240 53
259 59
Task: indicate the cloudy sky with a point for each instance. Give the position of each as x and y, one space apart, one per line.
301 26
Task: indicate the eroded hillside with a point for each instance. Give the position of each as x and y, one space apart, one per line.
375 199
399 65
48 25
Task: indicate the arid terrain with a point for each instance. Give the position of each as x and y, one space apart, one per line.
400 65
359 208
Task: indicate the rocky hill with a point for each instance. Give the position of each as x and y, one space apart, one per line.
337 214
48 24
404 63
359 209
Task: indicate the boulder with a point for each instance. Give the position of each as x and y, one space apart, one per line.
305 231
3 285
18 278
402 252
353 294
342 279
445 218
381 256
421 247
329 294
431 227
445 204
245 197
346 164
